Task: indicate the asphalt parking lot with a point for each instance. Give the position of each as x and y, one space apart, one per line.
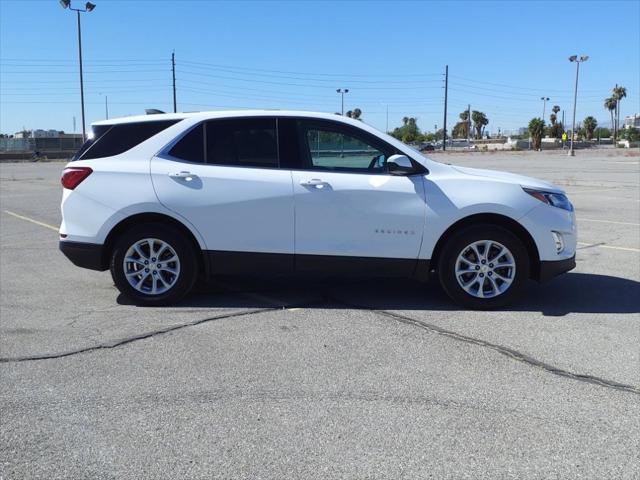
290 379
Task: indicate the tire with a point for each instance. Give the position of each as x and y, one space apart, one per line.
175 269
477 281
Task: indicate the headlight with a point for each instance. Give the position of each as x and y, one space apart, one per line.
554 199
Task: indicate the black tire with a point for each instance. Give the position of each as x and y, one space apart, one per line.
182 247
458 243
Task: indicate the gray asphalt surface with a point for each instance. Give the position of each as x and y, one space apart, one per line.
334 379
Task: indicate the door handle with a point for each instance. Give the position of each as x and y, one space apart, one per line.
188 176
314 182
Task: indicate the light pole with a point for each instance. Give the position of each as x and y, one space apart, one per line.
342 91
544 105
386 105
88 7
387 127
106 106
578 61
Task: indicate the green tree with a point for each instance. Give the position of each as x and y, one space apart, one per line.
463 125
619 92
408 132
458 130
555 130
632 134
611 104
480 121
536 130
356 113
589 124
604 132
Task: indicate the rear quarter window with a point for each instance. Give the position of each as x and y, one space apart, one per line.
110 140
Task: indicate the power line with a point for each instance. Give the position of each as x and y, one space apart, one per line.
339 75
512 86
332 81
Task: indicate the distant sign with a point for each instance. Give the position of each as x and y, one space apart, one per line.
564 136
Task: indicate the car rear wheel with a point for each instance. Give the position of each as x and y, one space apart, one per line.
153 264
484 267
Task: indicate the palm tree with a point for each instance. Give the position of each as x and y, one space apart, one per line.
555 109
480 120
464 120
405 120
589 124
611 105
619 92
356 113
553 118
536 130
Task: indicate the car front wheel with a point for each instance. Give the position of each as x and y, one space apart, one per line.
153 264
484 267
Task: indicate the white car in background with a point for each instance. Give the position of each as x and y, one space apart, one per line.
161 199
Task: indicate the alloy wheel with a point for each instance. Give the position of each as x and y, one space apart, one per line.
485 269
151 266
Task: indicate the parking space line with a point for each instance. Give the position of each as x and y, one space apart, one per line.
611 247
608 221
27 219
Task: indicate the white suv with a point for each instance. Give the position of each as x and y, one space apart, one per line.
161 199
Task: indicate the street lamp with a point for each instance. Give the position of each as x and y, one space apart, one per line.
88 7
342 91
578 61
544 105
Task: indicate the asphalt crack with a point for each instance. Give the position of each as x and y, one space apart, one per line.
503 350
134 338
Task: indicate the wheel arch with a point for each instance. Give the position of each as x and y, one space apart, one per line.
152 217
492 219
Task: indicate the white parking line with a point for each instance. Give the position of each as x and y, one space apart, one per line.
610 247
607 221
27 219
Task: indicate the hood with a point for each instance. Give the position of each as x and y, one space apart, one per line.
507 177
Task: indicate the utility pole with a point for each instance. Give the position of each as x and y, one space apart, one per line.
173 71
446 92
106 108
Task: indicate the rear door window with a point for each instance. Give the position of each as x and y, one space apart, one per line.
119 138
244 142
191 146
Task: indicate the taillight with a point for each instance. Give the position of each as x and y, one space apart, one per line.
73 176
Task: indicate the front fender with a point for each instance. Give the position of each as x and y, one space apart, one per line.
454 199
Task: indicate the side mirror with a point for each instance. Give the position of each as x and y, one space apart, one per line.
399 165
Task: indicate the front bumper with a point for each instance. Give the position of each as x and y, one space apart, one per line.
85 255
550 269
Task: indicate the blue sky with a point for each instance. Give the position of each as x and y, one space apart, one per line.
502 57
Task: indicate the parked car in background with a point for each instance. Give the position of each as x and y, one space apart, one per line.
161 199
